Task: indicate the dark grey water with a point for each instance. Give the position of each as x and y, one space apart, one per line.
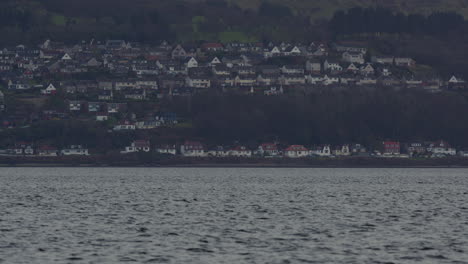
233 215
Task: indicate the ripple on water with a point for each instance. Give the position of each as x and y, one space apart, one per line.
177 215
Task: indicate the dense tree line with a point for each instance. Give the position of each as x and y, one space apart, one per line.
333 117
381 20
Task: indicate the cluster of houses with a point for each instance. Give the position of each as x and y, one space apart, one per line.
29 149
140 72
275 150
438 149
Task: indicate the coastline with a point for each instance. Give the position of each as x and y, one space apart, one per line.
179 162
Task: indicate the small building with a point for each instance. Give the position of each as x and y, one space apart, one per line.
192 149
268 150
167 149
138 146
391 148
47 151
296 151
321 151
75 150
125 125
240 151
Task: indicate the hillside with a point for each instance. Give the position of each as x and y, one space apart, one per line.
29 21
325 8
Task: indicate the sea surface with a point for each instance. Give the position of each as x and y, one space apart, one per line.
233 215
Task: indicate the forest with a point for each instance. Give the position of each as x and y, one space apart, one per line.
324 117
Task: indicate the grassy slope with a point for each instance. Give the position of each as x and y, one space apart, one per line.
325 8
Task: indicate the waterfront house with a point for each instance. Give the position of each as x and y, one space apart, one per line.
137 146
391 148
240 151
296 151
75 150
167 149
47 151
321 151
268 150
125 125
192 149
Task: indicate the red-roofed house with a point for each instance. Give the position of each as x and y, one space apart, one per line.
296 151
192 149
268 149
240 151
391 148
212 47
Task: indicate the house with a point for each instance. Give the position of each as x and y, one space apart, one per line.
405 62
18 85
137 146
215 61
321 151
296 151
367 69
190 63
292 69
352 47
441 149
391 148
268 150
75 150
135 94
192 149
178 52
313 66
332 66
273 90
198 81
113 108
2 101
292 51
212 47
342 151
167 149
125 125
105 95
240 151
293 79
353 57
22 148
102 117
416 148
50 90
47 151
74 105
94 107
219 152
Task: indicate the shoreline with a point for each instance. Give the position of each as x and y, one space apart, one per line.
136 161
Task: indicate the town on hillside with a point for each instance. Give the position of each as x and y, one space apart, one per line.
98 80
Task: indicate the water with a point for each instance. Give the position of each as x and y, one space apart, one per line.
141 215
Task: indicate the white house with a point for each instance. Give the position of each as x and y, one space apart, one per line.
126 125
342 151
332 66
49 90
322 151
192 149
296 151
353 57
191 63
76 150
240 151
167 149
138 146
